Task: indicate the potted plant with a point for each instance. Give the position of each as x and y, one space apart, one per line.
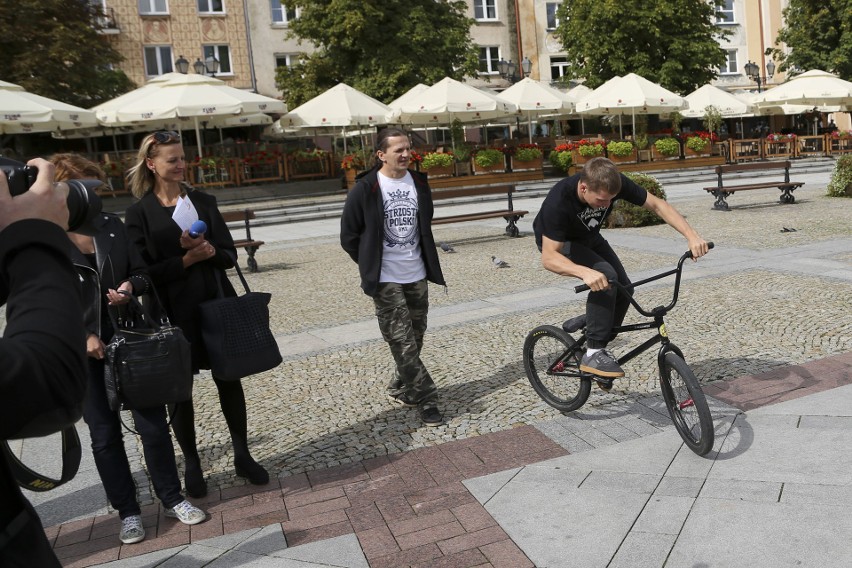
562 157
351 164
438 163
667 147
699 143
620 151
527 157
586 149
462 155
489 160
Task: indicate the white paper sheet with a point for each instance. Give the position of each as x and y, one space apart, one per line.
185 214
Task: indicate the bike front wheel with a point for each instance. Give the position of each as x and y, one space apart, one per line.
686 404
552 363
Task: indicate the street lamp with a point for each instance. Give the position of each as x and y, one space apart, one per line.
507 69
212 65
753 72
182 65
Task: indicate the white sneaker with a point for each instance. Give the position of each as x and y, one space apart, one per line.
132 530
187 513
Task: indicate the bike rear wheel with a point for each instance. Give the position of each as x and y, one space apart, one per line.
686 404
552 363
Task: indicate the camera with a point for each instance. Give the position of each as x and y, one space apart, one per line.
83 203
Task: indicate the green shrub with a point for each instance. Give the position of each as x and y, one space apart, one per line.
620 149
696 143
488 157
667 146
628 215
840 184
561 160
527 153
436 159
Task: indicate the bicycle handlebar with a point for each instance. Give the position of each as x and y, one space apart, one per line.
687 254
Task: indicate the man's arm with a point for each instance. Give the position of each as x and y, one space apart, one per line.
553 260
669 214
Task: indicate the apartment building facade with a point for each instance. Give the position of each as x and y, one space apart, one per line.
248 39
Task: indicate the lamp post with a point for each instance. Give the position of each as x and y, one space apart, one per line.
753 72
182 65
508 69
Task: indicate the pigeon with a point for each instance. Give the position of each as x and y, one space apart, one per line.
786 230
446 247
499 263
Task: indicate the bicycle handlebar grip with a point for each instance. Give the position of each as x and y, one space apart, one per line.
710 245
580 288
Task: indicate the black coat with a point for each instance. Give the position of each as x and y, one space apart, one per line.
361 229
43 361
181 290
116 261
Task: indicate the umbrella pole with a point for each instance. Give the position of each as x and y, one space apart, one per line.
529 126
198 137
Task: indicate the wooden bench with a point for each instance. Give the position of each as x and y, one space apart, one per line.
510 214
722 191
248 243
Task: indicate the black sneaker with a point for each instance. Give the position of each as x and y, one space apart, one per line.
431 416
601 364
402 399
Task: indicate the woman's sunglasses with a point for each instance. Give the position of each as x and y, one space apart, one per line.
166 137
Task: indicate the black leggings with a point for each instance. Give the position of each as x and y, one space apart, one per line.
607 308
233 403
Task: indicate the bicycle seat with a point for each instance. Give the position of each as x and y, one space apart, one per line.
574 324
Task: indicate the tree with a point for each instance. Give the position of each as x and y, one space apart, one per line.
52 48
818 35
671 42
380 48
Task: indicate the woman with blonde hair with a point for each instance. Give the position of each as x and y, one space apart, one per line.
110 271
187 271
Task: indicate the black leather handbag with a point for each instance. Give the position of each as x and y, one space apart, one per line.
148 364
236 334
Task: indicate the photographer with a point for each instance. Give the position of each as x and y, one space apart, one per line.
42 352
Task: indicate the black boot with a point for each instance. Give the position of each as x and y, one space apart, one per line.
183 425
232 400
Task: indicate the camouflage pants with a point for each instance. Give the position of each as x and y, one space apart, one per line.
401 310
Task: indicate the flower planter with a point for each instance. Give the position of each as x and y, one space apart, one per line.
581 159
629 158
690 153
440 171
660 157
350 177
529 165
493 169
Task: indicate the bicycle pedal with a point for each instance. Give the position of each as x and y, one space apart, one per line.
604 384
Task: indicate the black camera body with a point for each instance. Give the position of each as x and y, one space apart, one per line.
84 204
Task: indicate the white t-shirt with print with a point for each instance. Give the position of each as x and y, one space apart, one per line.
401 260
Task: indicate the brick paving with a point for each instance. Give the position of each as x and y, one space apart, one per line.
407 509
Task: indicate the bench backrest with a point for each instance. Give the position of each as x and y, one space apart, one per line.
472 191
753 166
242 215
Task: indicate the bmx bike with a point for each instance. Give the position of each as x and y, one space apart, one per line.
552 363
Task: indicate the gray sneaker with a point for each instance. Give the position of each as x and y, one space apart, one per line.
187 513
601 364
132 530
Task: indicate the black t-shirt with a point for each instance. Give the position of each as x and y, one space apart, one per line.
563 217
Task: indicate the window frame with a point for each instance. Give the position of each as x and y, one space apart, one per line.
169 61
216 52
482 5
284 11
210 12
560 63
547 15
489 59
732 12
151 4
292 59
728 68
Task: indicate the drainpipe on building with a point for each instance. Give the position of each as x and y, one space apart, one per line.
248 44
518 34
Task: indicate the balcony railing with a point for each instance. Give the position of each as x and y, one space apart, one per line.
107 22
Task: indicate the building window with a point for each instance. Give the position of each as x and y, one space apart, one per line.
153 7
158 60
725 14
282 14
211 6
285 59
730 67
558 67
485 9
223 54
552 20
489 58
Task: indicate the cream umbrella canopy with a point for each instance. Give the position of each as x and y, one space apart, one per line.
534 98
631 94
448 100
814 88
728 105
24 112
176 95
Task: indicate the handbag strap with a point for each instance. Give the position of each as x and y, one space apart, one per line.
222 274
34 481
146 315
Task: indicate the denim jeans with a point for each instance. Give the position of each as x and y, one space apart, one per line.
607 308
111 457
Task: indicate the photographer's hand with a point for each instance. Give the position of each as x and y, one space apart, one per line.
94 347
44 200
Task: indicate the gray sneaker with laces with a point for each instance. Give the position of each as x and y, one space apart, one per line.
187 513
601 364
132 530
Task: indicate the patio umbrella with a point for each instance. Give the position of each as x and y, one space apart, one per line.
534 98
727 104
814 88
341 106
176 96
24 112
630 94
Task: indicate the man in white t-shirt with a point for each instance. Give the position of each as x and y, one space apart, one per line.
386 228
